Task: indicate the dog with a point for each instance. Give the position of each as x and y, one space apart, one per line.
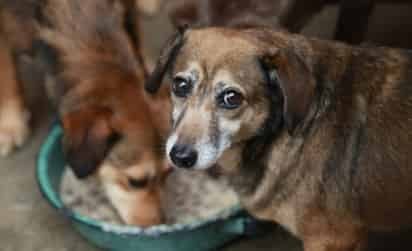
19 22
133 177
100 84
311 134
90 53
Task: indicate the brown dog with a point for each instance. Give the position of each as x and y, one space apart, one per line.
312 134
19 38
98 79
100 84
96 85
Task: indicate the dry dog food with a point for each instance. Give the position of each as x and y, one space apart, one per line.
87 197
188 196
193 195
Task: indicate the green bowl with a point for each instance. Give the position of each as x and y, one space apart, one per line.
199 236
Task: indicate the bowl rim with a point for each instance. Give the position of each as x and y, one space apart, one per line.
51 196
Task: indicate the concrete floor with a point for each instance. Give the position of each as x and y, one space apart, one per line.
28 223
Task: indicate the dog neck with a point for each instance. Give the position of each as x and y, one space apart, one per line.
243 178
329 61
244 163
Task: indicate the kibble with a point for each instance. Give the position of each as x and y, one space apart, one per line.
87 197
193 195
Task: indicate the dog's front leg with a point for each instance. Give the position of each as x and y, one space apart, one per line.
14 128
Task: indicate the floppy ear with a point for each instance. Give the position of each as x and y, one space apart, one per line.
86 143
289 71
167 56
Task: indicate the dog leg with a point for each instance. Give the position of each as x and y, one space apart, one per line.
14 128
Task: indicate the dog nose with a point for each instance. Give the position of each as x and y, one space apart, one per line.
183 156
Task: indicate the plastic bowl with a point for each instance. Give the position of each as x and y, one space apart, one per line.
199 236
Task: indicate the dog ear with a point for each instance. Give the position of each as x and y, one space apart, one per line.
290 72
86 143
167 56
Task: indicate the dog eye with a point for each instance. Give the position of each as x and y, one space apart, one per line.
230 99
181 87
138 183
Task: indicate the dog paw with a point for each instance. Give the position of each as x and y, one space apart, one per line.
14 129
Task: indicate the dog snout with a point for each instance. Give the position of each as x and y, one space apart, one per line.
183 156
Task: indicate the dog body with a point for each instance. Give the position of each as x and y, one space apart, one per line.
311 134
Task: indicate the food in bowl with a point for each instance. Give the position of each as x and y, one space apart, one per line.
193 196
87 197
188 197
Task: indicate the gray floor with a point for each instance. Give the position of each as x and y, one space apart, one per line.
28 223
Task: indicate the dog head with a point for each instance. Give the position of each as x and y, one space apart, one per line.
98 82
229 87
95 115
125 144
118 133
133 176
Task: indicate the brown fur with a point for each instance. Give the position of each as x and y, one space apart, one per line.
19 22
98 87
149 7
344 169
16 35
13 115
106 116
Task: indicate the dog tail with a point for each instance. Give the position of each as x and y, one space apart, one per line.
88 35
